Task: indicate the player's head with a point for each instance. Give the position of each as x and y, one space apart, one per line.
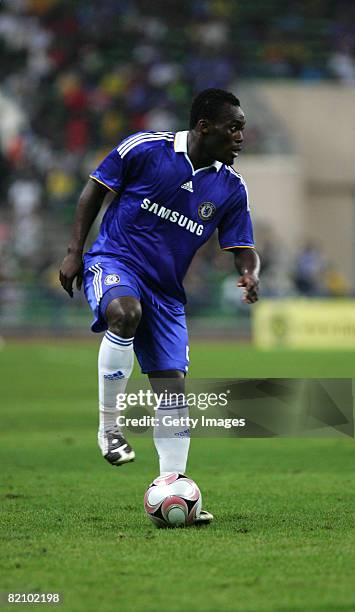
218 119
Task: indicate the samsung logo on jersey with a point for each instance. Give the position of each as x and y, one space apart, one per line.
173 216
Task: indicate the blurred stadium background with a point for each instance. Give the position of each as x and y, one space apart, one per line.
77 77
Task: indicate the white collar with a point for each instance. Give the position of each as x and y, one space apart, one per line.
180 146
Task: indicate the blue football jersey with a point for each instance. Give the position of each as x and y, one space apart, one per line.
164 210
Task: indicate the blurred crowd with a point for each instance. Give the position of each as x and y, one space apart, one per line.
78 76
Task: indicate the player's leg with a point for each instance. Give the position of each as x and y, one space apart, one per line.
113 295
171 441
115 366
116 354
161 346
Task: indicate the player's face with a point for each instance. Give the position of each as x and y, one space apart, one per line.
224 137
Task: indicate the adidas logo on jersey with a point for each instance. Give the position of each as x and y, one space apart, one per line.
188 186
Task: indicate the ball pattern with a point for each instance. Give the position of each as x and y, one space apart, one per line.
173 501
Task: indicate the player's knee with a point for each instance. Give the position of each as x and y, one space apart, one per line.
123 316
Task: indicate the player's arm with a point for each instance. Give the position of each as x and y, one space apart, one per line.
87 210
247 263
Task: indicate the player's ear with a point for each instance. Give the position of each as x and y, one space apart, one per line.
203 126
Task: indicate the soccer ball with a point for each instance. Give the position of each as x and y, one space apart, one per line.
173 501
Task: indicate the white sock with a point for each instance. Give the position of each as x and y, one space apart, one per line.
172 442
115 367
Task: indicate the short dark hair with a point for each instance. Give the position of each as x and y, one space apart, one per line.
208 103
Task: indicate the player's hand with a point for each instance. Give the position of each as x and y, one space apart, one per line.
250 282
71 268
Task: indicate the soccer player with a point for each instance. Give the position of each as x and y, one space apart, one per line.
171 192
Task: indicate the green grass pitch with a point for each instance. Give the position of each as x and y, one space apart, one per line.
283 538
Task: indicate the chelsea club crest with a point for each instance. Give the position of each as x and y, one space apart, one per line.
206 211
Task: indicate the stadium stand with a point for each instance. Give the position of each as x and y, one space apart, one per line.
77 77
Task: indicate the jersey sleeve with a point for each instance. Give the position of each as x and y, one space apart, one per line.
110 172
116 168
235 229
